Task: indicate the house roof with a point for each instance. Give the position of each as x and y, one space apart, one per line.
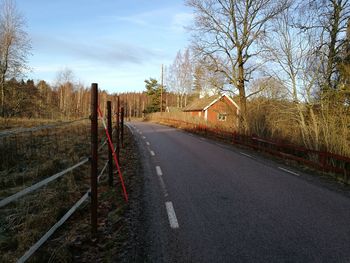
205 103
199 104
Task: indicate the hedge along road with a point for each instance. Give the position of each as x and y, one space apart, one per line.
206 202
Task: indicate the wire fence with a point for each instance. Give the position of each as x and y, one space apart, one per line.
92 159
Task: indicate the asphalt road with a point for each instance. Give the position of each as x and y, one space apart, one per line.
207 202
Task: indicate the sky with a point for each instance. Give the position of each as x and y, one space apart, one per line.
115 43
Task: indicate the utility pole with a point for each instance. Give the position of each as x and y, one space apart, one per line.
161 91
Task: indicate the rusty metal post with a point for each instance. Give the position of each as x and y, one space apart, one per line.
122 127
94 145
118 128
110 157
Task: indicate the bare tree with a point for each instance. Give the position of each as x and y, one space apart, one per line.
226 32
180 76
65 84
14 45
301 57
207 82
328 19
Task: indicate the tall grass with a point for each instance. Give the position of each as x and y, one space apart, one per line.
314 127
28 158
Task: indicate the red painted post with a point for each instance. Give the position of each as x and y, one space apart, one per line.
122 127
94 145
110 157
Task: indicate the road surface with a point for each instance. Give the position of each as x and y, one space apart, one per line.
208 202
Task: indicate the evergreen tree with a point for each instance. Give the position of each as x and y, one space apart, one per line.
153 90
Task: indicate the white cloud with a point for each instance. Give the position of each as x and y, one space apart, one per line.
103 51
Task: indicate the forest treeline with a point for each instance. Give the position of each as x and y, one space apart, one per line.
69 100
287 63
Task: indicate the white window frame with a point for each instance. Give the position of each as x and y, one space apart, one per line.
222 116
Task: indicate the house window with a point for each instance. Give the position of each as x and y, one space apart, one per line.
222 116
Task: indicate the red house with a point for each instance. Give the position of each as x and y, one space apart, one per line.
215 109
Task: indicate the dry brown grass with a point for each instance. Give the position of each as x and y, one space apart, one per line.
10 123
28 158
317 128
183 117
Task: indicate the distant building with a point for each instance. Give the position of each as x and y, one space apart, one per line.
214 109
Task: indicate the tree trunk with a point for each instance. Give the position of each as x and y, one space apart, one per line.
2 98
332 48
243 122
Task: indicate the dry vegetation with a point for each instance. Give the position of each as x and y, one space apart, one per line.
30 157
325 129
159 117
27 158
12 123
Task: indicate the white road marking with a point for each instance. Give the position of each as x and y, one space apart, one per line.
288 171
152 153
203 139
161 181
148 143
245 154
171 215
159 171
143 137
162 185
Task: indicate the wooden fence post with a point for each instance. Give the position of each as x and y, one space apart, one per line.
118 128
110 157
122 127
94 145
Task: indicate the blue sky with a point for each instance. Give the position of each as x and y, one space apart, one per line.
117 44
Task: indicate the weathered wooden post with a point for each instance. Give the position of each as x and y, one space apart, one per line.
122 127
94 145
110 157
118 128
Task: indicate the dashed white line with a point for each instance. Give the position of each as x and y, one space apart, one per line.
288 171
162 185
171 215
245 154
159 171
148 143
161 181
152 153
143 137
